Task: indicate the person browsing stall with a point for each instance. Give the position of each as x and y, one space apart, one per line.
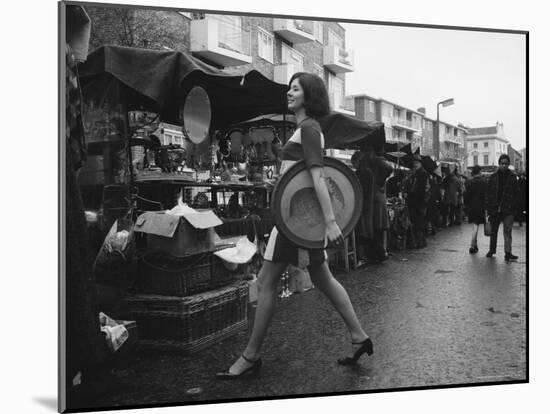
307 97
417 198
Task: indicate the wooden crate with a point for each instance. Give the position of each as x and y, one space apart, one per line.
164 275
190 323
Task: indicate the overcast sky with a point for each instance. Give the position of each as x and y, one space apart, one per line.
484 72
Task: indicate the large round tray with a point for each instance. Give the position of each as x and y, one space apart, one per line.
297 211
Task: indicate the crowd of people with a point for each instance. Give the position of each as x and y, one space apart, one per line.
434 202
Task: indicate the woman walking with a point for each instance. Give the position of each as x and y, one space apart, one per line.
474 199
307 97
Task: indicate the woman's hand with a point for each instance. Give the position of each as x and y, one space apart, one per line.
333 234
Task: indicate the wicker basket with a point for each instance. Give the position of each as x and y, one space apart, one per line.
189 323
162 274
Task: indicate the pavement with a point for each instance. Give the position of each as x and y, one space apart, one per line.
437 316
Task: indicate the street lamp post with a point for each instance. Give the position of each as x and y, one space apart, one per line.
446 102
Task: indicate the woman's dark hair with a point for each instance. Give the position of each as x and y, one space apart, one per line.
503 156
476 169
356 157
316 102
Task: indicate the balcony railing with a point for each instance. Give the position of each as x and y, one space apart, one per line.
339 104
294 30
221 42
283 73
337 59
453 139
404 123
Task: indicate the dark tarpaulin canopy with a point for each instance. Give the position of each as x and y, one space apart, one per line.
160 80
344 132
163 78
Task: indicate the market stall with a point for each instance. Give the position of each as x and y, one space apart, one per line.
157 124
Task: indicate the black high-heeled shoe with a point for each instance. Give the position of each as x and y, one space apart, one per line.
253 369
366 347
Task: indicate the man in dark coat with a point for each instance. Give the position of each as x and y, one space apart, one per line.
417 190
502 202
474 200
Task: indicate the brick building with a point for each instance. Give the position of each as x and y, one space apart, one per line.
452 144
402 124
236 44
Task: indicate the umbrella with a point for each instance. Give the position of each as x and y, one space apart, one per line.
398 153
269 119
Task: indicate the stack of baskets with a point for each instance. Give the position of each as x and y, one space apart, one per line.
186 303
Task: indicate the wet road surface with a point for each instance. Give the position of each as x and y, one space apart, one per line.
437 316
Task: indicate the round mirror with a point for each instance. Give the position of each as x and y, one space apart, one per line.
197 115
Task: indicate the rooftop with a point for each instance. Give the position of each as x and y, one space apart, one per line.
363 95
492 130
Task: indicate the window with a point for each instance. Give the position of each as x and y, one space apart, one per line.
447 129
475 144
265 45
395 134
229 32
334 39
485 160
475 160
336 91
319 71
293 57
371 106
318 31
485 145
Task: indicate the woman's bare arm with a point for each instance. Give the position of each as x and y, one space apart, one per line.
333 232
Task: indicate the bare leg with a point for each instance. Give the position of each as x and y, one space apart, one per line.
475 229
323 279
268 278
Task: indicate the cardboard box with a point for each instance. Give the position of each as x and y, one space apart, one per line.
179 235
